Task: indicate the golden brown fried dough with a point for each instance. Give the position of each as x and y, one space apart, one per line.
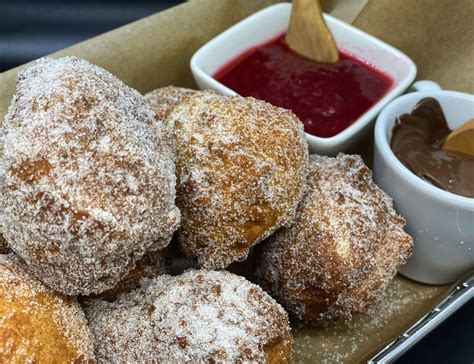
342 251
3 243
164 99
89 180
199 316
151 265
37 325
242 166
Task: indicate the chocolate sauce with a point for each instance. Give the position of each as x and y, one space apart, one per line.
416 141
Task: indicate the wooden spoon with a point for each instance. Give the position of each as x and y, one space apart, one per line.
461 139
308 34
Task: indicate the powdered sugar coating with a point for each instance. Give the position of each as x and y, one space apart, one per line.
199 316
344 248
37 325
242 165
88 176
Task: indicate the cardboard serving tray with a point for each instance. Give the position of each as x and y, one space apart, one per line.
155 52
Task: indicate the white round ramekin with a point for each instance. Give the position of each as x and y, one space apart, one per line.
272 21
441 223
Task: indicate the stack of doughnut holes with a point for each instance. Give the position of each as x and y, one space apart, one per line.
123 215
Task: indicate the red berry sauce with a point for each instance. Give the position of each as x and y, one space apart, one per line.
326 97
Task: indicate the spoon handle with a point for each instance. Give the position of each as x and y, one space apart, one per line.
308 33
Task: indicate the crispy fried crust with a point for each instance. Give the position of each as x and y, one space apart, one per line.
199 316
37 325
151 265
88 181
164 99
242 165
343 249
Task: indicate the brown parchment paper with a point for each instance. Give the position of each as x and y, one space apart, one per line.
155 52
437 34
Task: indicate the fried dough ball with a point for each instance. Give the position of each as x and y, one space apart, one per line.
344 248
89 181
37 325
164 99
3 243
151 265
199 316
242 166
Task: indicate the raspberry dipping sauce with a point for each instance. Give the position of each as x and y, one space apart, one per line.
326 97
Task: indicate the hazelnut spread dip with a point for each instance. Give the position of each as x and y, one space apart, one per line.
417 139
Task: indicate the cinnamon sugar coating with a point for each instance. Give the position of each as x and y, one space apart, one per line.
241 166
37 325
3 243
87 177
164 99
151 265
344 248
199 316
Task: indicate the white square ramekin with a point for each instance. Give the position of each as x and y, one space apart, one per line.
440 222
272 21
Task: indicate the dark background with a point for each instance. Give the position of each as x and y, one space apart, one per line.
30 29
452 342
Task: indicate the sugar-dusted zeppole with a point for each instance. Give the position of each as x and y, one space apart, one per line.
3 243
151 265
164 99
241 166
87 176
344 248
196 317
36 324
